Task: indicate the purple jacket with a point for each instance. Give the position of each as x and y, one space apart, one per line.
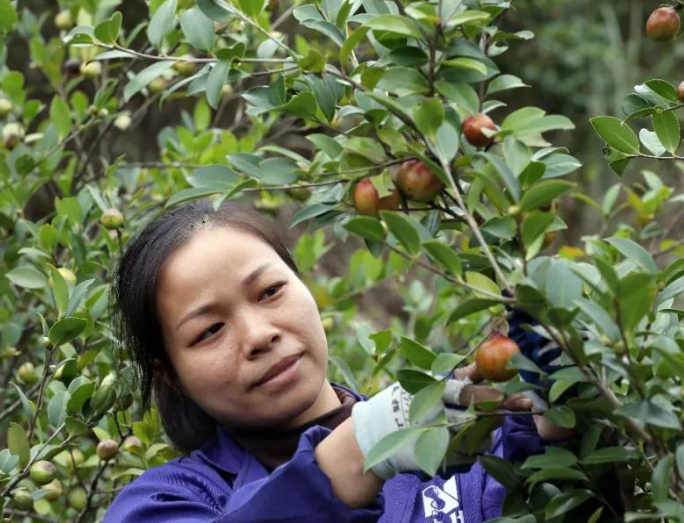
223 483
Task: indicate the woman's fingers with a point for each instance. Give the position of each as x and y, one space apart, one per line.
482 394
470 372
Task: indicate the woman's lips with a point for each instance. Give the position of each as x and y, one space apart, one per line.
282 373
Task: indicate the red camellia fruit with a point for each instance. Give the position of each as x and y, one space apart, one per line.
367 201
680 92
493 357
663 25
417 182
472 129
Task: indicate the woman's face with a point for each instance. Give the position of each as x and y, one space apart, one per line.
242 331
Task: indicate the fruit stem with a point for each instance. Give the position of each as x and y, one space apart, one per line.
476 230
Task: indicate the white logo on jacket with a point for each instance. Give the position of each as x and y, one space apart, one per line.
443 506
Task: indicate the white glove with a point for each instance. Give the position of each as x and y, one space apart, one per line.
388 411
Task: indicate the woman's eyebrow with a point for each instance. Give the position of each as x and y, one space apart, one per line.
202 309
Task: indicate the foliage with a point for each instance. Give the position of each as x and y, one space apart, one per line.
371 85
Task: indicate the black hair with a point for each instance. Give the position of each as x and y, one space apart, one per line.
136 320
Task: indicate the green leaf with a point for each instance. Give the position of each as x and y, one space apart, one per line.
461 93
557 474
366 147
351 43
663 89
57 408
606 455
144 77
403 81
553 458
60 290
395 24
501 470
425 401
366 227
66 330
543 192
413 381
565 502
444 255
417 354
191 194
620 137
651 141
428 116
108 31
482 282
198 29
469 17
660 479
162 23
60 116
8 16
389 445
252 8
81 391
633 251
650 413
302 105
679 456
311 211
403 229
27 404
534 225
666 126
213 176
469 64
216 80
504 82
471 307
562 416
18 443
27 277
431 448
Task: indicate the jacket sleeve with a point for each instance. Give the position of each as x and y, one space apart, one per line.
296 491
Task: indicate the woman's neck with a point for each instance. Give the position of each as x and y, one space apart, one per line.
327 400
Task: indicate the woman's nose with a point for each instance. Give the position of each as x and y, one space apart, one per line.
259 335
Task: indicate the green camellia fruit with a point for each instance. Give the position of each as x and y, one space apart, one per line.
157 85
64 19
112 219
417 182
472 129
77 498
663 25
43 472
72 459
107 449
132 444
53 490
367 201
12 135
91 70
184 68
5 107
22 500
27 373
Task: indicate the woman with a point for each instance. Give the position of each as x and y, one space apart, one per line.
230 340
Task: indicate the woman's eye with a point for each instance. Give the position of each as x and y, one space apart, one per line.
208 333
272 290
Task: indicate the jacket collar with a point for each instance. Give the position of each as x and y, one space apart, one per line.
226 454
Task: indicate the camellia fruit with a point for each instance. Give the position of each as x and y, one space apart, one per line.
22 500
72 459
157 85
417 182
112 219
64 19
132 443
493 356
27 373
184 68
53 490
663 25
91 70
107 449
12 135
77 498
680 92
43 472
5 107
472 130
367 201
